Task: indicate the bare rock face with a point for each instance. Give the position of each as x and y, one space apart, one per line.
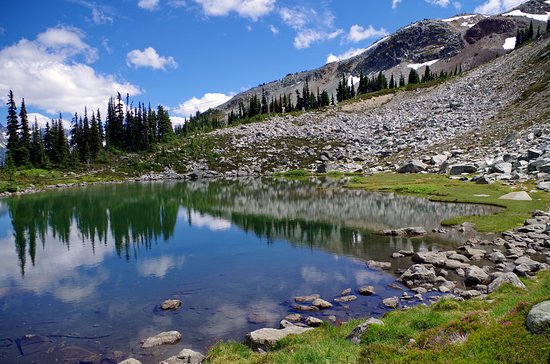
265 339
168 337
490 26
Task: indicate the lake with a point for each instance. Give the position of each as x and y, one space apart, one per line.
84 270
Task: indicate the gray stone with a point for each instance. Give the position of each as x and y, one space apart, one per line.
435 258
265 339
496 257
186 356
418 273
413 166
505 278
457 169
391 302
313 321
347 298
294 317
454 264
475 275
345 292
533 265
408 231
544 185
130 361
355 335
307 298
516 196
534 153
439 159
321 304
305 308
380 265
502 167
538 318
366 290
168 337
171 305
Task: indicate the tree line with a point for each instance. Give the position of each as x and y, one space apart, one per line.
126 128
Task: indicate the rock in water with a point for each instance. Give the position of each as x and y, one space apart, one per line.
475 275
347 298
169 337
307 298
391 302
265 339
505 278
185 356
366 290
171 305
538 318
321 304
313 321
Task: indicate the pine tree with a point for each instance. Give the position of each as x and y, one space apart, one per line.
392 82
25 137
427 74
401 80
530 32
165 131
37 152
13 127
413 77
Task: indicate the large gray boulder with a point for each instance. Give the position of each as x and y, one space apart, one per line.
457 169
413 166
505 278
538 318
435 258
475 275
168 337
417 274
391 302
185 356
321 304
502 167
265 339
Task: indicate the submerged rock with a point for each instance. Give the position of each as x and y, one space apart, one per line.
347 298
168 337
307 298
130 361
380 265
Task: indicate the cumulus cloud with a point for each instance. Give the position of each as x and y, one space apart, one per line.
42 120
357 33
149 58
492 7
445 3
346 55
208 101
148 4
50 74
310 26
252 9
395 3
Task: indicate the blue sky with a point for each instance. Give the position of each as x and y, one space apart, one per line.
63 55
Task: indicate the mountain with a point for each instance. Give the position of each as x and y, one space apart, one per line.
465 41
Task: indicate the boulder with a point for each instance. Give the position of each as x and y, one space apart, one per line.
294 317
418 273
439 159
307 298
505 278
496 257
355 335
313 321
345 292
391 302
413 166
538 318
304 308
321 304
435 258
533 265
347 298
544 185
170 305
380 265
130 361
475 275
168 337
265 339
454 264
457 169
185 356
516 196
502 167
366 290
534 153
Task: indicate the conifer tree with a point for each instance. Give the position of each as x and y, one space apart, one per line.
413 77
165 131
37 152
13 127
401 80
392 82
25 137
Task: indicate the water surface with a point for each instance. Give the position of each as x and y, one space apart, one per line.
83 271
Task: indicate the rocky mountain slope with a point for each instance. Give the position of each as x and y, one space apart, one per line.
463 41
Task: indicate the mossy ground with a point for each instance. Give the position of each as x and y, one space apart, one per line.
474 331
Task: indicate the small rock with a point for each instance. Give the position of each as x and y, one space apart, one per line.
321 304
391 302
294 317
475 275
130 361
366 290
347 298
345 292
307 298
265 339
171 305
185 356
169 337
305 308
380 265
313 321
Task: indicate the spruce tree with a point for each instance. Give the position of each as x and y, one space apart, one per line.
25 137
165 131
13 127
413 77
37 152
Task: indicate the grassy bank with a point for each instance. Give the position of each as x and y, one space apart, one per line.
441 188
474 331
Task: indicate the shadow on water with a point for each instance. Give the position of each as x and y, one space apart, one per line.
90 266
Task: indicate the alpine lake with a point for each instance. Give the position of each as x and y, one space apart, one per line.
83 271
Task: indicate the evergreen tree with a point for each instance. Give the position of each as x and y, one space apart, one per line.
427 74
165 131
392 82
401 80
13 127
530 32
25 137
37 152
413 77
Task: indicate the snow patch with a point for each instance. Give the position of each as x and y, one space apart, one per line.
509 43
353 80
459 17
466 24
539 17
416 66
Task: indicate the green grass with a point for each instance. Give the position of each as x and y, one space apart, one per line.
441 188
449 331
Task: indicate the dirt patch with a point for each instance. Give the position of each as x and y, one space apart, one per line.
369 104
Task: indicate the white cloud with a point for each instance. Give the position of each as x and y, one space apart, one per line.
346 55
99 17
209 100
149 58
357 33
492 7
310 26
46 71
148 4
252 9
394 3
158 267
273 29
177 120
42 120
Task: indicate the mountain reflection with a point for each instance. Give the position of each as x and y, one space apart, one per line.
140 214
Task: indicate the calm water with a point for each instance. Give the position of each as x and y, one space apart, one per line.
83 271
